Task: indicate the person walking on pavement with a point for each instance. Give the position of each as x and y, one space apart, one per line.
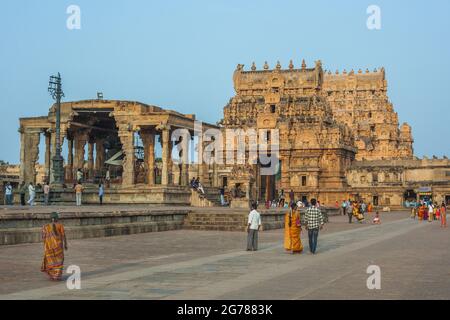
314 223
101 192
253 226
349 211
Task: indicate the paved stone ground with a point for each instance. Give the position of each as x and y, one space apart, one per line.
414 258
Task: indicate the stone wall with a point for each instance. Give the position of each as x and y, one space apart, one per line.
26 228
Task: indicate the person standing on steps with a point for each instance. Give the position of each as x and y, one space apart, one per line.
31 194
78 193
9 194
46 193
253 226
222 196
23 191
101 192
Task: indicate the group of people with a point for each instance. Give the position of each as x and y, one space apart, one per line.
357 209
31 189
429 211
314 221
280 201
195 184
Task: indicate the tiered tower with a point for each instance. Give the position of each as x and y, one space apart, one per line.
359 99
315 149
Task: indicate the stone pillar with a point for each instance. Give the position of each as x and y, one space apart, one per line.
203 168
170 173
99 156
148 138
30 155
48 155
184 179
285 165
127 139
22 154
80 139
91 159
165 143
69 173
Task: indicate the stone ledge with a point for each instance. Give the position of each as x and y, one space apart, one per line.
33 235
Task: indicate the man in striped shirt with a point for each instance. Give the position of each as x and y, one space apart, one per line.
314 222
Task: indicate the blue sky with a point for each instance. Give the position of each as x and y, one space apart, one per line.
181 54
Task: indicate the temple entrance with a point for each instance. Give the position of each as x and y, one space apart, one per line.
268 190
375 200
410 195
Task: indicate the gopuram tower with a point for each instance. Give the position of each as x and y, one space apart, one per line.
314 148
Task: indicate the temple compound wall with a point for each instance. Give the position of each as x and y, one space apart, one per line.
394 182
101 141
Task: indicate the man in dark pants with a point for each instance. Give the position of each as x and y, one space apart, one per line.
314 222
22 191
253 226
349 210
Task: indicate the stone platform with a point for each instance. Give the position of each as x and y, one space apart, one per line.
23 224
116 195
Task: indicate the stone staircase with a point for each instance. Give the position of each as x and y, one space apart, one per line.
230 220
211 198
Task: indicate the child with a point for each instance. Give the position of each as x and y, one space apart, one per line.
377 220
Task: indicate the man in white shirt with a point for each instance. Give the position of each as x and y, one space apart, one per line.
254 224
46 193
430 212
8 194
31 193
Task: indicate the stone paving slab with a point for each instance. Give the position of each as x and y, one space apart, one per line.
413 257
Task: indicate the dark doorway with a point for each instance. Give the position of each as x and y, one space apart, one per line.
375 200
410 195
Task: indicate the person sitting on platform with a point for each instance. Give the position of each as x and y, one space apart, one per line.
196 183
376 219
200 187
192 183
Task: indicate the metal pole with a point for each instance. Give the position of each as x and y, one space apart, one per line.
57 161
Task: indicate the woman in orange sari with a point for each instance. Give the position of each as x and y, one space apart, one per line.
292 229
55 243
421 212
